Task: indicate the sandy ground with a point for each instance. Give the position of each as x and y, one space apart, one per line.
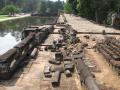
15 17
107 75
32 77
82 24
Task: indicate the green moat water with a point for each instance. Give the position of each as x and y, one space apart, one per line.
10 31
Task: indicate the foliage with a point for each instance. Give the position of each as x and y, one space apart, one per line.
49 6
43 7
31 6
78 7
84 8
10 9
97 10
67 7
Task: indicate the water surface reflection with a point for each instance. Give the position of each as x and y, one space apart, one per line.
10 31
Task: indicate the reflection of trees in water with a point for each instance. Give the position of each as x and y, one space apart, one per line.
16 26
2 33
16 34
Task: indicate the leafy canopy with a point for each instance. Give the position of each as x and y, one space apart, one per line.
67 7
10 10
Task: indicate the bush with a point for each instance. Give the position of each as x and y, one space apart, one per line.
67 8
10 10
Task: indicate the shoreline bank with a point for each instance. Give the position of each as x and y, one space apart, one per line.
16 17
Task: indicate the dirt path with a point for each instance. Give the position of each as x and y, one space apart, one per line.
32 77
81 24
107 75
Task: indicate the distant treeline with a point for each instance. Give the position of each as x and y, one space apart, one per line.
98 10
33 6
45 14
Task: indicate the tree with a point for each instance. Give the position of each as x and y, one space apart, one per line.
43 7
31 6
78 6
67 7
97 10
10 10
1 4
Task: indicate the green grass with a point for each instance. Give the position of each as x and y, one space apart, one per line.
4 16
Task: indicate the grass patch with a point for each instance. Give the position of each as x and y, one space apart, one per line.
4 16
